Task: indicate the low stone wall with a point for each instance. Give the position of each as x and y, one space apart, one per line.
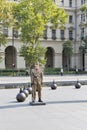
59 83
65 83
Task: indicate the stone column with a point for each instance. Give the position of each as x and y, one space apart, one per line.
20 62
85 61
2 62
49 33
58 60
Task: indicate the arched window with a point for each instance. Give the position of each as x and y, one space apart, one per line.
10 57
49 57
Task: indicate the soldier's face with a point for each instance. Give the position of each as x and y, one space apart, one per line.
36 67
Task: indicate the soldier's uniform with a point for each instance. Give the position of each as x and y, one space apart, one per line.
36 81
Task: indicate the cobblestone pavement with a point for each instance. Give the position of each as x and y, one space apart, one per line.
65 109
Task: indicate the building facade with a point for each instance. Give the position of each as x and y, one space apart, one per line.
53 40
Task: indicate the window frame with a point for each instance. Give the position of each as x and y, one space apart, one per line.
70 34
62 34
70 3
70 19
53 34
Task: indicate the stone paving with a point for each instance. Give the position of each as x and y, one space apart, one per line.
65 109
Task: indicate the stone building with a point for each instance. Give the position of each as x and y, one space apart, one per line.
53 40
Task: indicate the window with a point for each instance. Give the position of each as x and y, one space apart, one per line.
5 31
83 17
62 1
15 33
62 34
83 2
70 3
53 34
70 19
82 33
45 34
70 34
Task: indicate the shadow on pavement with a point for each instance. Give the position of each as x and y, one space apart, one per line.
17 105
66 102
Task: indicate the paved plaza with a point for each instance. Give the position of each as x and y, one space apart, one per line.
65 109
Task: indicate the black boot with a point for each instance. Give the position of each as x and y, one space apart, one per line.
40 100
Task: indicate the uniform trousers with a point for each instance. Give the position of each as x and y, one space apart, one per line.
36 87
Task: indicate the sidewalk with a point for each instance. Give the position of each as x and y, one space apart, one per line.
65 109
47 80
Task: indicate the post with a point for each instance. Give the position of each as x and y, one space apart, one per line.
75 34
13 65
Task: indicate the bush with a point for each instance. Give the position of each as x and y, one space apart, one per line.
53 71
11 72
50 71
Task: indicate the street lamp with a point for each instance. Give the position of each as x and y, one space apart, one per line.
13 65
75 65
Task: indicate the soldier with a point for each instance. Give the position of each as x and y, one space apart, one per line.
36 82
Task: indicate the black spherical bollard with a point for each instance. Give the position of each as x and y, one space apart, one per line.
26 92
54 85
21 90
21 97
30 90
78 85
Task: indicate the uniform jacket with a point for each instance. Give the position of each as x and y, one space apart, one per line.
36 76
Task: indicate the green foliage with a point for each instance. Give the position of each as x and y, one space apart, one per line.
52 71
34 15
2 42
33 53
83 47
84 8
85 41
55 71
2 39
31 17
6 16
5 19
11 72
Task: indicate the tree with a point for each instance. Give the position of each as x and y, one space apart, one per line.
84 9
5 19
83 47
67 50
31 16
31 55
